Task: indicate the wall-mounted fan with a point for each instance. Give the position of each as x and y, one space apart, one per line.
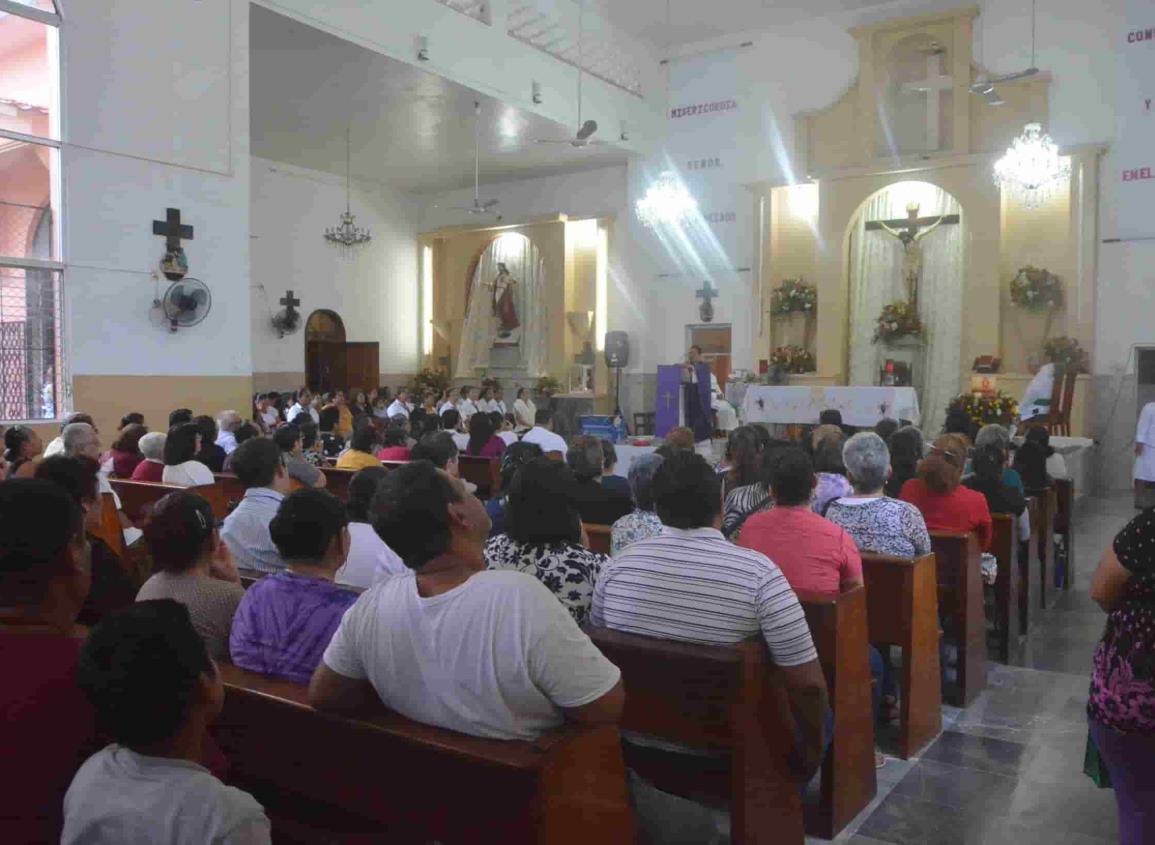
186 303
288 319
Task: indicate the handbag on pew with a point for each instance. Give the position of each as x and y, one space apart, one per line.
1094 767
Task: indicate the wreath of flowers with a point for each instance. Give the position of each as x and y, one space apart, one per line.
793 296
1066 354
1035 289
986 409
793 359
898 320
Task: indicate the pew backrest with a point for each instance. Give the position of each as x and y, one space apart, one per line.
568 786
599 537
107 527
484 472
137 498
958 559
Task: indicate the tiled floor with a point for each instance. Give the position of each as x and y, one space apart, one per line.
1009 767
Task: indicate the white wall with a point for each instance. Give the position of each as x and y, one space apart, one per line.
156 101
374 289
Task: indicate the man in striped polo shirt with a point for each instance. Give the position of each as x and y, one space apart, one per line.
689 583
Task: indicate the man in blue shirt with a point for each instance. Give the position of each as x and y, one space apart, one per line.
260 467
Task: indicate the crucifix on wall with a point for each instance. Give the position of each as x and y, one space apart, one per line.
910 232
935 82
174 264
706 293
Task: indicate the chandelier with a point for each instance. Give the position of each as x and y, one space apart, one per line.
666 203
348 234
1032 165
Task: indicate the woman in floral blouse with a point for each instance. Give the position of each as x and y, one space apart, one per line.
643 523
543 536
1121 709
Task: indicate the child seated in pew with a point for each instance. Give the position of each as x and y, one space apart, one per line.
46 726
285 621
155 691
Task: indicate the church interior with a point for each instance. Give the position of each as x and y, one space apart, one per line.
649 218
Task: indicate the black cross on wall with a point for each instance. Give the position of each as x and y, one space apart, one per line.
172 229
290 301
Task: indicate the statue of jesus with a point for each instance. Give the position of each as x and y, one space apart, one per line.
504 309
910 237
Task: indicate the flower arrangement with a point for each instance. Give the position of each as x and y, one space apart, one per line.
430 380
793 296
1034 289
986 408
1066 354
548 386
793 359
898 320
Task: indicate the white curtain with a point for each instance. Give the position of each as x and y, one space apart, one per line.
524 262
876 279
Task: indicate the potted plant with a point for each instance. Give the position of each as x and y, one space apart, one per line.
986 408
430 380
1037 291
547 386
898 320
793 359
1066 354
793 296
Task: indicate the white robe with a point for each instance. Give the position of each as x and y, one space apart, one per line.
1037 398
1145 436
727 416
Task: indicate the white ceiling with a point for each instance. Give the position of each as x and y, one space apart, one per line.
409 128
695 20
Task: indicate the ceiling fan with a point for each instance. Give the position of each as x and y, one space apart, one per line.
984 84
584 137
479 205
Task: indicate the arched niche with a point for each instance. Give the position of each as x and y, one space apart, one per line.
325 359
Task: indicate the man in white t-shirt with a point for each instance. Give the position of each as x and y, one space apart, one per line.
303 405
491 653
542 434
399 407
467 407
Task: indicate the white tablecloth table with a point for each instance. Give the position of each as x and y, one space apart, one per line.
860 406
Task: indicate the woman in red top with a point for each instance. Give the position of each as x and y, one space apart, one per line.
483 443
395 444
945 504
152 450
125 452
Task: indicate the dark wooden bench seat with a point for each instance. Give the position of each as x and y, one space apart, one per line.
958 560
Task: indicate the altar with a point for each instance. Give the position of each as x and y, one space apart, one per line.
860 406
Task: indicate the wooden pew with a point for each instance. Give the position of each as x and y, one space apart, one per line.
902 610
599 536
337 481
1064 511
958 560
727 700
839 627
484 472
1003 547
1028 565
138 497
232 488
403 781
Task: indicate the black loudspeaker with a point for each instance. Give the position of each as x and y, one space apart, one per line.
617 349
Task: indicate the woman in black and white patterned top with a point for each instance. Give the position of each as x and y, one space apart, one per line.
876 522
543 536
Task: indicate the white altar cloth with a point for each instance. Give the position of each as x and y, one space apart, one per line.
860 406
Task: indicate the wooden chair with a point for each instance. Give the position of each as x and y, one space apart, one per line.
138 497
902 610
726 700
393 779
1057 420
958 560
106 525
839 627
599 536
1003 545
484 472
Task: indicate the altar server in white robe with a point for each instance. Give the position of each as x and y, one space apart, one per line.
727 416
1037 398
1145 456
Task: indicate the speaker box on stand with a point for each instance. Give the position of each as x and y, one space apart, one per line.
618 356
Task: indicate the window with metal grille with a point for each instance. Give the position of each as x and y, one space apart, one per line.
32 381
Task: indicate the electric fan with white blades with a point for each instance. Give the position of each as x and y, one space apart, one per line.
984 84
479 206
584 137
186 303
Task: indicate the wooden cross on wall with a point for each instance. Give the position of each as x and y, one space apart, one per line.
706 293
289 301
172 229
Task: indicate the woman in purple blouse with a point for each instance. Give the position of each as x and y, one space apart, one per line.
483 442
1121 709
285 621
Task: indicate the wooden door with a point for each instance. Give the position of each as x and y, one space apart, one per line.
362 365
325 365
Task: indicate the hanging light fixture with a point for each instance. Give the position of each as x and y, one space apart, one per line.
666 201
347 235
1032 166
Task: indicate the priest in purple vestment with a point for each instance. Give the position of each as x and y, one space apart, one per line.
696 385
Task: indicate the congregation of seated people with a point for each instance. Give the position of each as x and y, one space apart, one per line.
409 592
